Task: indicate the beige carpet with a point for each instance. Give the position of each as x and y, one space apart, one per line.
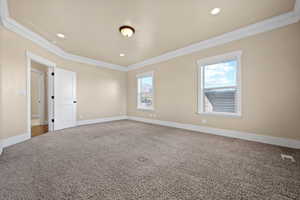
131 160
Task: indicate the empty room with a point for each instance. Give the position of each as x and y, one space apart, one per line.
150 100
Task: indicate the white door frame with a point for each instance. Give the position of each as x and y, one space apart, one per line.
41 94
51 66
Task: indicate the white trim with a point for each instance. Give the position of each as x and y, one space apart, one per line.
221 114
145 74
260 27
21 138
142 75
35 116
220 58
94 62
51 66
39 59
15 140
291 143
36 123
14 26
297 8
213 60
37 71
101 120
3 11
145 108
50 91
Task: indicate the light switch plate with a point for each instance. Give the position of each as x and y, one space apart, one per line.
22 92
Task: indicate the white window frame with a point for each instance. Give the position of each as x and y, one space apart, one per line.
142 75
214 60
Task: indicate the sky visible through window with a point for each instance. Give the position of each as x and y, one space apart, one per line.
220 74
146 84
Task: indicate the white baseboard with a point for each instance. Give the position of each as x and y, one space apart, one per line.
101 120
21 138
14 140
215 131
227 133
38 123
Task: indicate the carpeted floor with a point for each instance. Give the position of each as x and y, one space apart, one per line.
131 160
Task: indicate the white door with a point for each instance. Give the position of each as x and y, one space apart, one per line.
65 99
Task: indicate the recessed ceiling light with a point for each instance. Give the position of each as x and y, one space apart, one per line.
60 35
122 54
215 11
127 31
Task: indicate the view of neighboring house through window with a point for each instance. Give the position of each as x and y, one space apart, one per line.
220 86
145 91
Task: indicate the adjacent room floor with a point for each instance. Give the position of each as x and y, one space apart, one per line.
39 130
131 160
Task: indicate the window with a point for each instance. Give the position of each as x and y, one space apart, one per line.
219 85
145 91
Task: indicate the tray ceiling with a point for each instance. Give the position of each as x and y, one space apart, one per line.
91 27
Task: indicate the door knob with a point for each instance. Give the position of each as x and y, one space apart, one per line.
74 101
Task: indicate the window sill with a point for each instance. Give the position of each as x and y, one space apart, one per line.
145 109
231 115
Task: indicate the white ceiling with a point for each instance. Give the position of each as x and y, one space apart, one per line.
91 27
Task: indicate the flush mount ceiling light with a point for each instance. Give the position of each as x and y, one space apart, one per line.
215 11
60 35
122 54
127 31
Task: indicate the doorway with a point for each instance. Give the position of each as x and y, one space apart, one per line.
40 105
55 97
39 96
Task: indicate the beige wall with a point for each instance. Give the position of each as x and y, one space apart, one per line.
100 92
270 72
270 86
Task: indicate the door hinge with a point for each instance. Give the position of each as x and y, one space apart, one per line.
52 120
52 74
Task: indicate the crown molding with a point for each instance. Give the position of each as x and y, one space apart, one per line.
14 26
297 7
3 10
260 27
